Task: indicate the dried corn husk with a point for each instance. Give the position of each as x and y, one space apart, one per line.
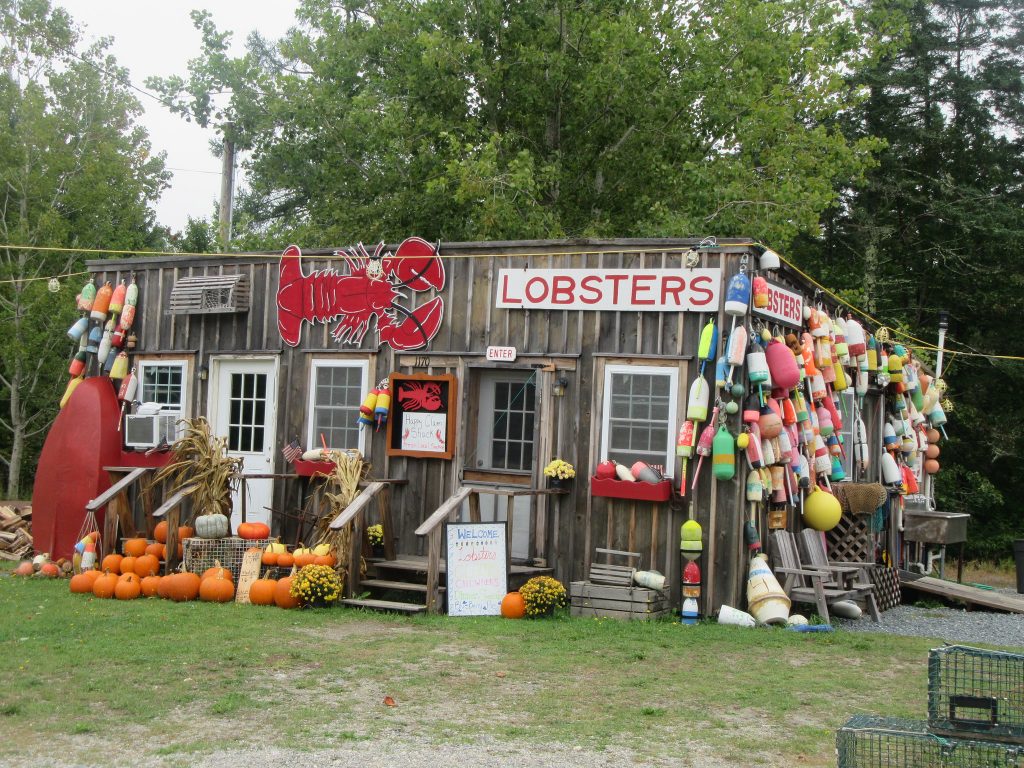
340 488
201 461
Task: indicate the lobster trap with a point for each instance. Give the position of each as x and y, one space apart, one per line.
976 693
868 741
199 554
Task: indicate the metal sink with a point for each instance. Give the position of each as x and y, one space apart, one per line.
934 527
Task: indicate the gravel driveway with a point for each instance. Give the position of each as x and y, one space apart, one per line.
952 625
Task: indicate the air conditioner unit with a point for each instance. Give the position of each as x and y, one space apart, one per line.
150 429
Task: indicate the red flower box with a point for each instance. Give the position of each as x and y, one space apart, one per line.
623 489
310 468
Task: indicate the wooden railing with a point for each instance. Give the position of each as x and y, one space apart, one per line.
119 510
355 514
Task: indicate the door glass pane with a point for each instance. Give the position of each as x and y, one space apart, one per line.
511 421
247 411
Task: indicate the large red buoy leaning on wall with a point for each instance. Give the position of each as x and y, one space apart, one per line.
82 441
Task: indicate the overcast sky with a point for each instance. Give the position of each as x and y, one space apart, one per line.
158 39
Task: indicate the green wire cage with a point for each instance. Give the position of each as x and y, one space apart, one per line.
869 741
975 693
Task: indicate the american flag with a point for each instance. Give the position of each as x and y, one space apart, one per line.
292 451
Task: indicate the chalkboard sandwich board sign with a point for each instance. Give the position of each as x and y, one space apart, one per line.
422 422
477 568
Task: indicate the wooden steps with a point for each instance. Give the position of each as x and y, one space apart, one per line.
387 584
385 605
408 573
951 590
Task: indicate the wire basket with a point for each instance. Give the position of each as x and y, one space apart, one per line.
974 692
199 554
868 741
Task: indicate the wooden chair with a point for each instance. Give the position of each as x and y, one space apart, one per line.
805 585
846 574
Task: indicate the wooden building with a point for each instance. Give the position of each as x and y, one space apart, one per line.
581 350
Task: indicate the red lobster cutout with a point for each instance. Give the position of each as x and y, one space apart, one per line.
369 290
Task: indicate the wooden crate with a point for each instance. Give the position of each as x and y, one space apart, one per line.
630 603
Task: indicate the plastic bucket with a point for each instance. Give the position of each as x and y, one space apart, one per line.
729 615
1018 555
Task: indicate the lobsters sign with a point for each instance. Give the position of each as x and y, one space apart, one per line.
636 290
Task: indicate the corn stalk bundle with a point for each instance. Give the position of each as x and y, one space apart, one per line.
340 489
201 462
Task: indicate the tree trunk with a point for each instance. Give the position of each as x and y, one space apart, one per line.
17 435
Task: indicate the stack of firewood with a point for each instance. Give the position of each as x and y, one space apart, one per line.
15 533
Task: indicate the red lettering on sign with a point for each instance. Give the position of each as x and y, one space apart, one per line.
703 288
563 290
615 280
590 289
504 292
639 288
672 286
544 289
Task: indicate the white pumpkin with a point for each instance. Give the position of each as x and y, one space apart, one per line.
211 526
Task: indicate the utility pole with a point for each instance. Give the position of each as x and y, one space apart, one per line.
227 192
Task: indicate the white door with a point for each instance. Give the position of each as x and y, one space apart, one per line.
243 408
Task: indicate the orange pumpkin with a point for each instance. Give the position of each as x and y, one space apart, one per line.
163 589
269 558
50 570
135 547
82 583
184 587
262 591
24 568
105 585
285 560
513 606
217 589
160 532
254 531
112 563
127 565
282 594
147 565
217 572
157 550
186 532
128 587
303 559
150 585
329 560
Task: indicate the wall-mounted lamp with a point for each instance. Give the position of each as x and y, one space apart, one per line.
559 385
204 373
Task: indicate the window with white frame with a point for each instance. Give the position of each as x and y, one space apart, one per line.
165 382
337 389
639 415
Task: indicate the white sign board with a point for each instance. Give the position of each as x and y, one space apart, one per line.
785 306
501 354
616 290
424 431
477 570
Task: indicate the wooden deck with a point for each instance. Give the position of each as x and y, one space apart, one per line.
973 596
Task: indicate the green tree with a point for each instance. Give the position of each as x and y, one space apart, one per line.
76 172
937 225
489 119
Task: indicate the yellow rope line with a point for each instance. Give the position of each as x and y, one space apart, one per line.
276 255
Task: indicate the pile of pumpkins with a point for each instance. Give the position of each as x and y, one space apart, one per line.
270 591
43 567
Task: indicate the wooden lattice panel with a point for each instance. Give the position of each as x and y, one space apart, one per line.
851 540
886 582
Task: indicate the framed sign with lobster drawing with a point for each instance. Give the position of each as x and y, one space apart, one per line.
422 422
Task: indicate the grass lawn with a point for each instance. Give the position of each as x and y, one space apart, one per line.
170 681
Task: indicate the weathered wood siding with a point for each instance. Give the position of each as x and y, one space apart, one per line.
575 343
